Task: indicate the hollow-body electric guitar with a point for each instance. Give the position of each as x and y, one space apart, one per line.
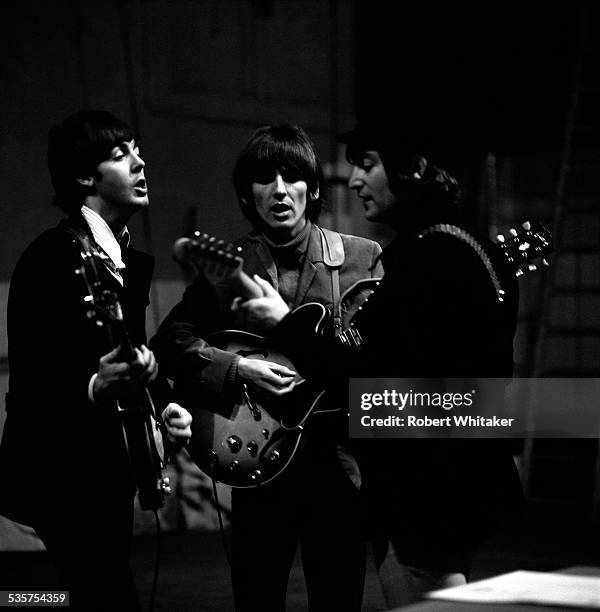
248 439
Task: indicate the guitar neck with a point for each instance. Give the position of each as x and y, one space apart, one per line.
119 336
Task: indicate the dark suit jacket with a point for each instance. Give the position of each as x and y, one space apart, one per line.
180 345
436 314
57 446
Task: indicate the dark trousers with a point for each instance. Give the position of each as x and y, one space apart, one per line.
90 546
312 504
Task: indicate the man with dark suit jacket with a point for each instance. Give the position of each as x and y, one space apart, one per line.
63 447
446 308
313 502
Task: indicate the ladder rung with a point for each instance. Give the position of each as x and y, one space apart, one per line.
559 501
576 249
587 202
584 166
586 128
545 457
586 209
579 291
573 331
568 372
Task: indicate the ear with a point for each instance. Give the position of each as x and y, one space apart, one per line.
315 195
86 181
419 167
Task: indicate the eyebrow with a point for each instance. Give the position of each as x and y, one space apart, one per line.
124 145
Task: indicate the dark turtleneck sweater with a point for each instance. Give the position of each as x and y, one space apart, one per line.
289 260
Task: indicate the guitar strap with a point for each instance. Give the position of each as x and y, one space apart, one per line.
79 233
333 257
88 245
461 234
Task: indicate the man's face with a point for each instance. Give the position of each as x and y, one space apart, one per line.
370 182
280 204
121 182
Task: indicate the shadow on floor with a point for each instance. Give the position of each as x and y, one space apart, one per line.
194 575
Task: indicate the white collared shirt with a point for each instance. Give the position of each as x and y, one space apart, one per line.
105 239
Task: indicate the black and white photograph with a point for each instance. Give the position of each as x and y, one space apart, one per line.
300 306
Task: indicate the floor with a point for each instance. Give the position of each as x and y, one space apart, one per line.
194 574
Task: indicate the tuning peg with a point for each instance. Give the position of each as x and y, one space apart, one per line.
532 267
526 225
512 231
545 262
197 234
500 238
519 272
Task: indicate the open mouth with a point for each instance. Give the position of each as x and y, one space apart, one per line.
141 187
280 208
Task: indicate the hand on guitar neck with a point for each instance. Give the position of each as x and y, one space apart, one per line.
117 378
261 313
258 305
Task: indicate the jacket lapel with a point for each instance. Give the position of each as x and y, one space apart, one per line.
309 269
260 261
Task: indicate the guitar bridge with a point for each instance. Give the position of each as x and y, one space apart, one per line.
351 337
256 414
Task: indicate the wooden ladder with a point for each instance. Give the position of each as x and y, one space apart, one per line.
566 472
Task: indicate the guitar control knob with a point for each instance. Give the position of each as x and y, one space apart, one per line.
165 485
252 448
265 433
234 466
213 459
274 456
234 443
256 475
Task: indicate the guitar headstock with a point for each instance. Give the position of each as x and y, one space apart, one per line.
216 259
527 248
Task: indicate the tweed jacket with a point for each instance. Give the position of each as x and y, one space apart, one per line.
180 343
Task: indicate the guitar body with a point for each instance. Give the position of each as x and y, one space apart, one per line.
145 449
248 440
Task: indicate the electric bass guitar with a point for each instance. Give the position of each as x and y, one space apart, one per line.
142 429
